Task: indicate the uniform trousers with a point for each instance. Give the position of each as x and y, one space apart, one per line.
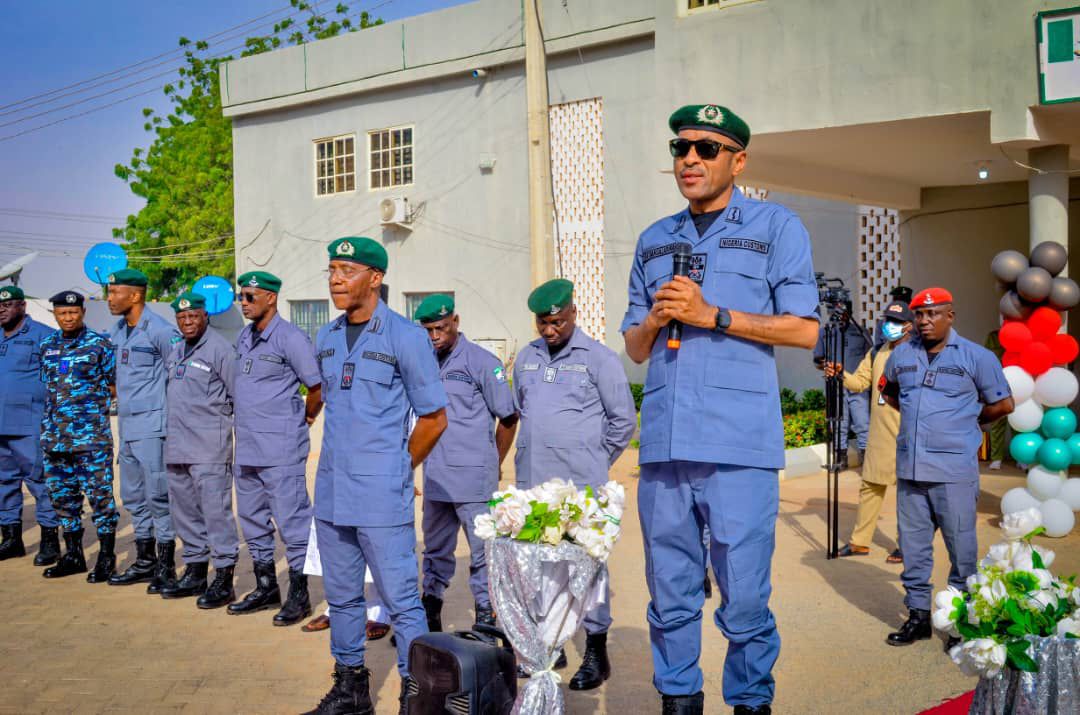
856 418
676 501
871 497
21 462
441 523
70 476
201 499
269 495
921 509
144 488
390 553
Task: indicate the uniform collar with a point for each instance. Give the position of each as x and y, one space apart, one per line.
732 216
376 322
201 342
578 341
456 350
265 334
23 328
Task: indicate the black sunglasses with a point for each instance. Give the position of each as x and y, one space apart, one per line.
705 148
247 297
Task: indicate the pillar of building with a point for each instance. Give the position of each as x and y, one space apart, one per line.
1048 196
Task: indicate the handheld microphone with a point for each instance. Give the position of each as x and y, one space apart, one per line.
680 266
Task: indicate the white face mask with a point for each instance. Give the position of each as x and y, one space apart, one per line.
892 331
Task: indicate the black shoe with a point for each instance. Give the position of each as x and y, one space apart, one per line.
560 663
49 547
165 573
192 583
220 591
433 609
485 615
11 545
73 561
595 667
753 709
683 704
105 566
708 588
349 695
266 594
916 628
952 643
143 569
409 689
298 604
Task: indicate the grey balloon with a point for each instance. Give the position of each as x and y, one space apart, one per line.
1051 256
1013 308
1008 265
1064 294
1034 284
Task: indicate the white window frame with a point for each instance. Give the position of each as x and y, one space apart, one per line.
685 9
388 152
330 162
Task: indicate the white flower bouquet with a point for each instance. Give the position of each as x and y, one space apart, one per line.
1012 600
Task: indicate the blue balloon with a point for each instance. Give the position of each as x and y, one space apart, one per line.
103 259
218 292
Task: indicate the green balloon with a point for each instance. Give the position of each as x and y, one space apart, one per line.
1025 446
1054 454
1074 447
1059 422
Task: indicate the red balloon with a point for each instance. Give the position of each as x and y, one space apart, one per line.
1044 323
1064 348
1014 336
1036 359
1009 359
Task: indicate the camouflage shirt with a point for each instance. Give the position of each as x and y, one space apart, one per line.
77 374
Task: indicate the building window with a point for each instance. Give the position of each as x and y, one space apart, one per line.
309 315
335 165
391 158
702 4
412 300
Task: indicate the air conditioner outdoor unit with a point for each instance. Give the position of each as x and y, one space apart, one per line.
394 211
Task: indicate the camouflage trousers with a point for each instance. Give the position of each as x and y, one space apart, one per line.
70 475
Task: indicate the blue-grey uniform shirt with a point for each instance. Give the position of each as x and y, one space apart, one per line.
577 413
365 472
716 399
939 407
77 374
200 402
271 429
140 375
464 465
22 393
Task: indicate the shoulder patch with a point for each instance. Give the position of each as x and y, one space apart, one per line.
500 374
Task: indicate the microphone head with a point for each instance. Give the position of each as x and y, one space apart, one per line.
683 250
680 259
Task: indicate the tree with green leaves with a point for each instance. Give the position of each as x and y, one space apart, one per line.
185 230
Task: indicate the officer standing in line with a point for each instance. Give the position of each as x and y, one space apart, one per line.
462 472
143 340
577 416
78 367
22 400
274 357
712 440
199 455
945 387
375 366
856 417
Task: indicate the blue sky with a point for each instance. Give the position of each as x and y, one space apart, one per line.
68 168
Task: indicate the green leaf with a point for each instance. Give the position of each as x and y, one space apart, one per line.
1022 661
1036 559
968 631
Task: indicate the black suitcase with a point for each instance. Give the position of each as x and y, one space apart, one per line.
462 673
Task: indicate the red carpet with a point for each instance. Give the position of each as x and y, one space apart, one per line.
956 706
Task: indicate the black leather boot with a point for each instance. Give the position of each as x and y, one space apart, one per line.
221 589
915 628
409 688
683 704
349 695
433 609
49 547
165 572
298 604
11 545
595 668
72 561
485 615
192 583
105 566
753 709
143 569
266 593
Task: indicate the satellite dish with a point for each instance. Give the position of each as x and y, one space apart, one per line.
218 292
103 259
13 269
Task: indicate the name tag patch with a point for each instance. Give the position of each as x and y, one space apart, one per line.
273 358
900 370
745 244
459 376
199 366
329 352
530 366
698 261
574 368
52 352
347 372
381 357
652 253
549 374
949 370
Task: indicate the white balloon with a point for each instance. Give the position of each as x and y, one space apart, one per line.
1056 387
1057 517
1021 383
1044 484
1027 417
1018 499
1070 493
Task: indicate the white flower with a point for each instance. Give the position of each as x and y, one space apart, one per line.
1000 555
1019 524
484 526
614 496
981 656
1046 579
994 592
552 535
1069 625
975 580
1040 600
510 515
590 540
944 610
1047 556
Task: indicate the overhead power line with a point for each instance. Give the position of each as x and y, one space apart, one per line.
60 216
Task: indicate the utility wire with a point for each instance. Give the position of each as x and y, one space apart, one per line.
33 213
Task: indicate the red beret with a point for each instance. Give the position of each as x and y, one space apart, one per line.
931 296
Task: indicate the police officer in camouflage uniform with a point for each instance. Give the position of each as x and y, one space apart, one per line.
78 368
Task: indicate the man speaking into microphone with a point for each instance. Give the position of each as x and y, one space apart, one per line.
711 434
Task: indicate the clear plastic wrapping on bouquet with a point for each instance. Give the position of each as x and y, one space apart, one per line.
1055 689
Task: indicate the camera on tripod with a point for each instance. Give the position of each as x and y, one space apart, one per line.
834 295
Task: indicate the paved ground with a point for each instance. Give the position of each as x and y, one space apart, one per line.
71 647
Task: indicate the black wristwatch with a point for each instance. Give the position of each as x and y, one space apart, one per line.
723 320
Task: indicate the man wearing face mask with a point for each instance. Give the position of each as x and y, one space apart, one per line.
879 470
856 417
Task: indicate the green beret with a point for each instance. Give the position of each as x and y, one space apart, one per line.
359 249
434 307
260 279
711 118
11 293
188 301
551 297
128 277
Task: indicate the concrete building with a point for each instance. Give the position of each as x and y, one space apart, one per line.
898 131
